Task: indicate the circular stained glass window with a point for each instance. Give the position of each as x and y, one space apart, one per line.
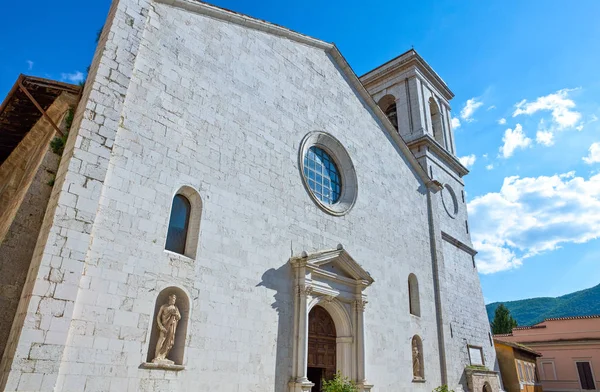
322 175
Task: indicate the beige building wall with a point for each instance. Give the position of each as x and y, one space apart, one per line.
563 343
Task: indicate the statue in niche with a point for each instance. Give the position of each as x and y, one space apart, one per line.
417 371
167 319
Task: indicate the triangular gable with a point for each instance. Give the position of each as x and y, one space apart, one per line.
331 49
340 258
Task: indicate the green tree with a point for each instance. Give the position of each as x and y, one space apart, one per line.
503 321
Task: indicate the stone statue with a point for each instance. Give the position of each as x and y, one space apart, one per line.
167 319
417 373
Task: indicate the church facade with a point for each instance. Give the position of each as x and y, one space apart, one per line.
236 210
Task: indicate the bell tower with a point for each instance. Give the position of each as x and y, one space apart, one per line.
416 101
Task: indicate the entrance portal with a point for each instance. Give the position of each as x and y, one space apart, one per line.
321 347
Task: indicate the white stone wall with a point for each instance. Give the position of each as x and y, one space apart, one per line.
464 307
220 108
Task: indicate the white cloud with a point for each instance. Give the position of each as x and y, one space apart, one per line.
593 118
29 65
513 140
455 123
545 138
75 77
468 161
530 216
593 155
491 107
469 109
485 156
490 166
502 121
558 103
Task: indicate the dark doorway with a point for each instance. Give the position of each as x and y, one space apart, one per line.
321 346
315 375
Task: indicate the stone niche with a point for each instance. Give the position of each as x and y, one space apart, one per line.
174 359
479 380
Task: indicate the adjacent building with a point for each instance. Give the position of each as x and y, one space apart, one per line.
570 352
517 365
235 210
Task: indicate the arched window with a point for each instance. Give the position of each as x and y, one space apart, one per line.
167 344
413 295
436 122
417 357
388 106
178 224
487 387
184 222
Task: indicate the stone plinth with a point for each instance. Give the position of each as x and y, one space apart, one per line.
477 378
162 365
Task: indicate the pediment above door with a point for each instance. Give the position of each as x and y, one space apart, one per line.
333 264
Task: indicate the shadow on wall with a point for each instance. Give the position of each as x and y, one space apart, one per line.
463 381
279 280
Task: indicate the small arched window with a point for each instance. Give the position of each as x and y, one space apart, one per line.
413 295
178 224
436 122
184 222
388 105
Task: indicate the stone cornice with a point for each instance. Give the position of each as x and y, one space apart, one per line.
247 21
314 262
406 60
451 160
460 245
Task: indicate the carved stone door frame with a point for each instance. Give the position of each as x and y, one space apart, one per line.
334 281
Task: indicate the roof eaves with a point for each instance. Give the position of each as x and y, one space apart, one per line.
245 20
517 346
572 318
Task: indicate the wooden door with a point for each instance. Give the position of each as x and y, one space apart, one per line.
321 342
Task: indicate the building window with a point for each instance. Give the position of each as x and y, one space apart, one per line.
586 378
548 370
436 122
476 356
178 224
392 115
322 175
520 369
328 173
184 222
388 105
413 295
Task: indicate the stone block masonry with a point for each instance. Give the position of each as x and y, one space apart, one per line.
181 95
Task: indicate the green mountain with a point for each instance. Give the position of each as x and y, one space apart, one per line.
534 310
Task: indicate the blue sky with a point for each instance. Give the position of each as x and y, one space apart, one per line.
525 75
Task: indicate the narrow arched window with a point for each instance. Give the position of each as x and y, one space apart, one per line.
178 225
388 106
436 122
413 295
